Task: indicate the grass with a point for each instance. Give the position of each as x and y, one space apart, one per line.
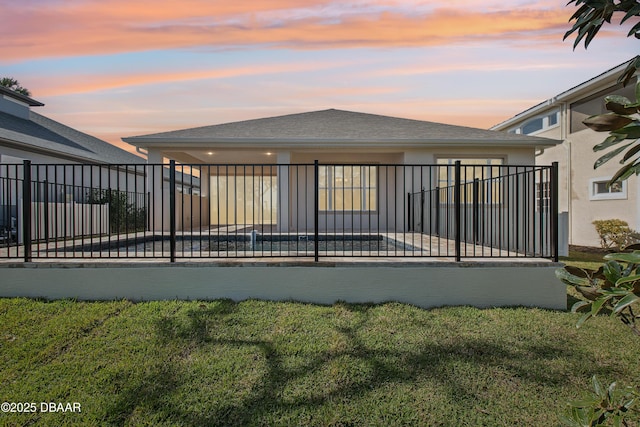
181 363
589 258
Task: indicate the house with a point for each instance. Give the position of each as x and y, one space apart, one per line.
321 207
375 173
27 135
583 192
68 166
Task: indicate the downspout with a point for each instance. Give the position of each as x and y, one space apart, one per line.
566 143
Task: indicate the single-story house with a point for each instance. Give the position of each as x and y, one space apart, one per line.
421 205
370 164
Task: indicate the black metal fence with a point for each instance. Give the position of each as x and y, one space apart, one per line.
180 211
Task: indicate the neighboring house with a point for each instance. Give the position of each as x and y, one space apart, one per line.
370 165
27 135
67 166
583 192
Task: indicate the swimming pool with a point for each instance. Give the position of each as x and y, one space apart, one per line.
247 245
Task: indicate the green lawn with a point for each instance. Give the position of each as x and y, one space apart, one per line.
584 259
264 363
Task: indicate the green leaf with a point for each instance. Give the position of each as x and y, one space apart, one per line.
612 271
627 279
625 302
631 131
624 173
619 105
633 257
597 387
633 151
606 122
580 272
634 11
578 305
597 305
611 154
630 71
591 293
571 279
610 141
583 319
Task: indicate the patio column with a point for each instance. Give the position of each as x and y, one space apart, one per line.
283 158
155 184
205 219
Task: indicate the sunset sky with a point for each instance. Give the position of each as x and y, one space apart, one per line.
126 67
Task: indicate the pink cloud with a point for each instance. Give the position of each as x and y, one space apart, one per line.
74 83
114 27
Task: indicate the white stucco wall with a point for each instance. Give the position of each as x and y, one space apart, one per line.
423 285
575 158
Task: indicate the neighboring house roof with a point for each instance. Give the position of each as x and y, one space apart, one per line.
41 134
335 127
577 92
20 97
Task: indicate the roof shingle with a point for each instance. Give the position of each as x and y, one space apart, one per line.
335 125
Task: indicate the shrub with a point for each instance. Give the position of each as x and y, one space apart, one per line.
615 233
614 287
123 216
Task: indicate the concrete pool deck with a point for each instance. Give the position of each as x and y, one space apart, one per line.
417 245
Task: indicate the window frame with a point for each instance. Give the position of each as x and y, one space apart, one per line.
546 125
365 188
618 195
492 197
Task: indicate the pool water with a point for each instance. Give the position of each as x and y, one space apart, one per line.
268 246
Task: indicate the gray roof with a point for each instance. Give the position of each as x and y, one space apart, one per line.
579 90
337 126
20 97
44 134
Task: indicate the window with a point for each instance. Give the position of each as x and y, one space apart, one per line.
486 170
348 188
543 196
532 126
537 124
599 190
240 199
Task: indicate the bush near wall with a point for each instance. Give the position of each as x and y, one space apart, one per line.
615 233
123 216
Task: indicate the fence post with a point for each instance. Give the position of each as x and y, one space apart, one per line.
422 210
457 193
172 209
409 210
46 211
554 211
26 209
476 210
437 215
316 207
148 209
